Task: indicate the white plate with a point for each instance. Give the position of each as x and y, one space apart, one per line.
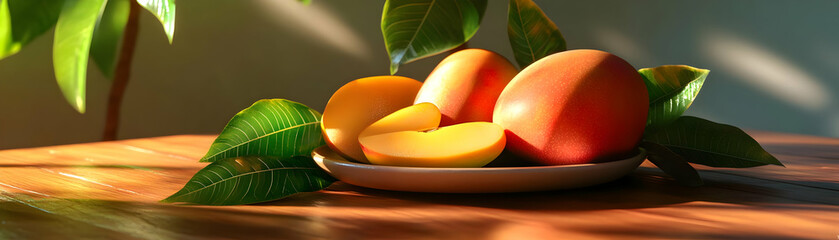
473 180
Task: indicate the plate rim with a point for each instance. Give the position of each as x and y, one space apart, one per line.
344 162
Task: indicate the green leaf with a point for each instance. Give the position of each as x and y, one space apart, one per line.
275 127
712 144
672 164
71 46
246 180
6 45
21 21
107 36
306 2
414 29
532 34
164 10
672 89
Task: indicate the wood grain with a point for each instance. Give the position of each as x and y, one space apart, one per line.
111 189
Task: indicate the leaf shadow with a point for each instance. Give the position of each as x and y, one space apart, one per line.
101 219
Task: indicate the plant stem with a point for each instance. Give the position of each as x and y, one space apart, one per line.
122 72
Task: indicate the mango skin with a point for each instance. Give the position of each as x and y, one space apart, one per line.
465 85
358 104
574 107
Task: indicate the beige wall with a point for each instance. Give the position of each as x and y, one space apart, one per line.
774 63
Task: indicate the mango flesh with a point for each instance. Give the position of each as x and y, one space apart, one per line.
574 107
466 85
358 104
419 117
471 144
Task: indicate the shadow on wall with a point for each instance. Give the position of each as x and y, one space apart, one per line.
763 70
327 29
773 63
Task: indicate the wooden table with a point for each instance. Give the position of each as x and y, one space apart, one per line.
111 189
